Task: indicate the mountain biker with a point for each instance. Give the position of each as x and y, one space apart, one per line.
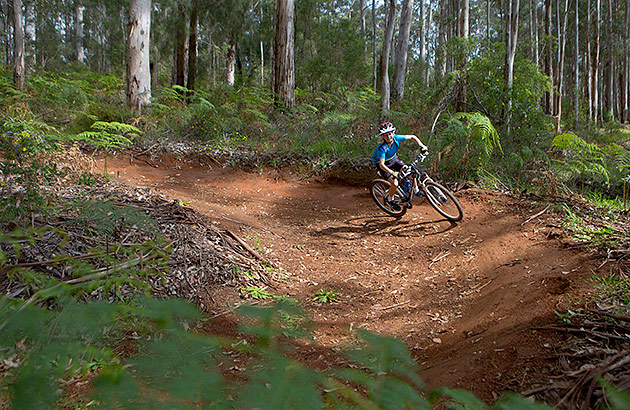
387 162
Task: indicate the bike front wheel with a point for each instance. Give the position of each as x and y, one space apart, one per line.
443 201
379 188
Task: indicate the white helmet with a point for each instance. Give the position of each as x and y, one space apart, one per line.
386 127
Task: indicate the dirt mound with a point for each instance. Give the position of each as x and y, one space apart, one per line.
464 297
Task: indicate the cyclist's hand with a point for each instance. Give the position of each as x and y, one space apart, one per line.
424 150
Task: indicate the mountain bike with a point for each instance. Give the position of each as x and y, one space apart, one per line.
438 196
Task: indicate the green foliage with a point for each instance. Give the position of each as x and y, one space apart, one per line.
257 292
109 135
23 140
614 289
580 159
467 142
463 400
172 365
108 219
326 296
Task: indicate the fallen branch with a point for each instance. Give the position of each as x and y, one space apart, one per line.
439 258
536 216
248 248
8 268
393 306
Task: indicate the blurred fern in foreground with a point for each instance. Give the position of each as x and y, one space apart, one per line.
171 364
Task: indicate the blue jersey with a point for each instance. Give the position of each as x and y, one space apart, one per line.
385 151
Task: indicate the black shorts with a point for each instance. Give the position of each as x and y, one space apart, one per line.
395 164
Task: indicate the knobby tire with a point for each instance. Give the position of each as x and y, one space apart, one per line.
450 208
379 188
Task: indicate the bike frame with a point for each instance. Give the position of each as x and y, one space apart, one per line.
412 173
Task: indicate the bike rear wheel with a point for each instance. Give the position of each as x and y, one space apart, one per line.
379 188
443 201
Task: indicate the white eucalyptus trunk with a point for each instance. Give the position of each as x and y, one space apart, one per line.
576 91
511 37
561 52
284 68
402 45
29 35
385 52
79 33
138 45
595 62
18 46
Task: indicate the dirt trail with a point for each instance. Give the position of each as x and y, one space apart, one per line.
464 297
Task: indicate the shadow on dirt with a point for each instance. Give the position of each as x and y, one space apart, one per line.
362 227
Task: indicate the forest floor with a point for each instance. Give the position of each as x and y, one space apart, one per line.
466 298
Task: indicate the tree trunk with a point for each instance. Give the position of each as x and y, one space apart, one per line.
374 69
429 41
283 48
536 37
423 46
384 63
626 70
192 46
488 24
180 47
79 33
362 19
561 52
548 57
18 46
441 44
29 35
138 67
464 28
230 60
589 71
402 45
611 65
595 62
511 38
576 91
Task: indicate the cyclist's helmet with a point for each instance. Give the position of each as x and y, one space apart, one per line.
386 127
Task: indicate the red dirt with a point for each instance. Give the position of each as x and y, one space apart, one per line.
464 297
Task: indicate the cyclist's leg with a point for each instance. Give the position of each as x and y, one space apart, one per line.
394 164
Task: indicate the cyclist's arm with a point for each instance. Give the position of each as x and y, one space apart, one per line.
381 164
417 140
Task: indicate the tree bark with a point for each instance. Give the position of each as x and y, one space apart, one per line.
362 19
79 33
441 43
385 52
374 67
402 45
626 69
595 62
561 55
548 57
576 91
230 60
428 42
29 36
138 45
192 46
464 28
18 46
180 47
511 38
283 49
611 65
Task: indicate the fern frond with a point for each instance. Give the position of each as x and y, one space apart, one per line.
115 128
481 130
